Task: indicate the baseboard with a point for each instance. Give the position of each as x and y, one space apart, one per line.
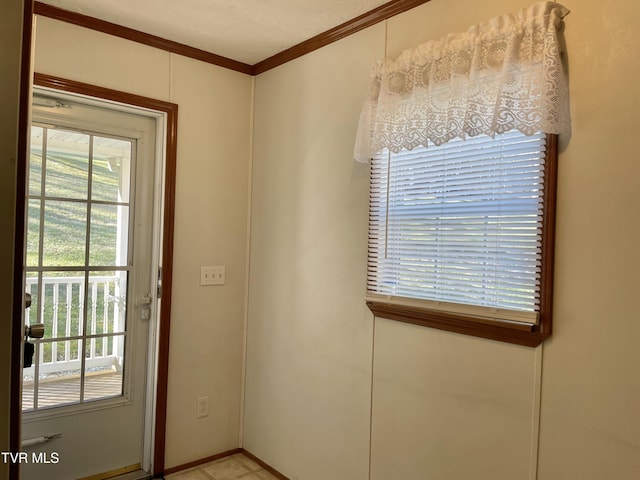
228 453
264 465
202 461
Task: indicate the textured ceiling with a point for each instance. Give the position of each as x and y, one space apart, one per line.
244 30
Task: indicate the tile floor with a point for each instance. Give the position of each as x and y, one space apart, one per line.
235 467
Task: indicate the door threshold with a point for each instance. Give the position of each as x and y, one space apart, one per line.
137 475
132 472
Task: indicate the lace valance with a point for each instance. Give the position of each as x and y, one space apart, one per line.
498 76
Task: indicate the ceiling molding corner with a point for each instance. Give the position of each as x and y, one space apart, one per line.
379 14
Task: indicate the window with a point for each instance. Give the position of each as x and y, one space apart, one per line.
462 133
461 236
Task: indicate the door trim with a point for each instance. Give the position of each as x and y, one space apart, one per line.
171 111
15 414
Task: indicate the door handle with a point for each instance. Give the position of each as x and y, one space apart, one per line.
37 329
145 301
34 331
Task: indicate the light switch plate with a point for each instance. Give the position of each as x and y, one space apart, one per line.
212 275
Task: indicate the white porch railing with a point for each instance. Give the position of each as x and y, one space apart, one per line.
62 311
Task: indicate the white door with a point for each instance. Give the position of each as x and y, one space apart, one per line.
91 273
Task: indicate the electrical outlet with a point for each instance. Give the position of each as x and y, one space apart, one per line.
212 275
202 407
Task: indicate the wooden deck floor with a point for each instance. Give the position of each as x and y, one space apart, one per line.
66 390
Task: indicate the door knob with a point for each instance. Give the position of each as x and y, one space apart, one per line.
35 331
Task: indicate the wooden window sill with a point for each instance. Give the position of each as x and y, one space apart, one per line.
509 332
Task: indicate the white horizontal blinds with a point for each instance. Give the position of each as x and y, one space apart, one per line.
460 223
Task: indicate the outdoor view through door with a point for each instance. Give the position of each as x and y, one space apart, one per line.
77 265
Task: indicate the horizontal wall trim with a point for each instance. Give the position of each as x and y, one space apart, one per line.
137 36
72 86
350 27
451 323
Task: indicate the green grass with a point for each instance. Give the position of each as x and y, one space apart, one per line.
66 221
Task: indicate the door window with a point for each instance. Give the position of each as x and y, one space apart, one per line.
78 264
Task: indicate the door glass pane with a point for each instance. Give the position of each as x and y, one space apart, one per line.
107 302
27 392
110 171
58 380
35 161
33 232
63 303
67 164
103 367
31 287
65 230
109 231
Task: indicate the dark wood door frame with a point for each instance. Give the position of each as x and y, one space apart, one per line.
171 112
15 416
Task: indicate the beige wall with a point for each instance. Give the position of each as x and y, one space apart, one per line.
590 426
211 217
441 405
10 41
309 338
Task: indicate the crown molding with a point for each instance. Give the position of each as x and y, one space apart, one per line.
116 30
350 27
